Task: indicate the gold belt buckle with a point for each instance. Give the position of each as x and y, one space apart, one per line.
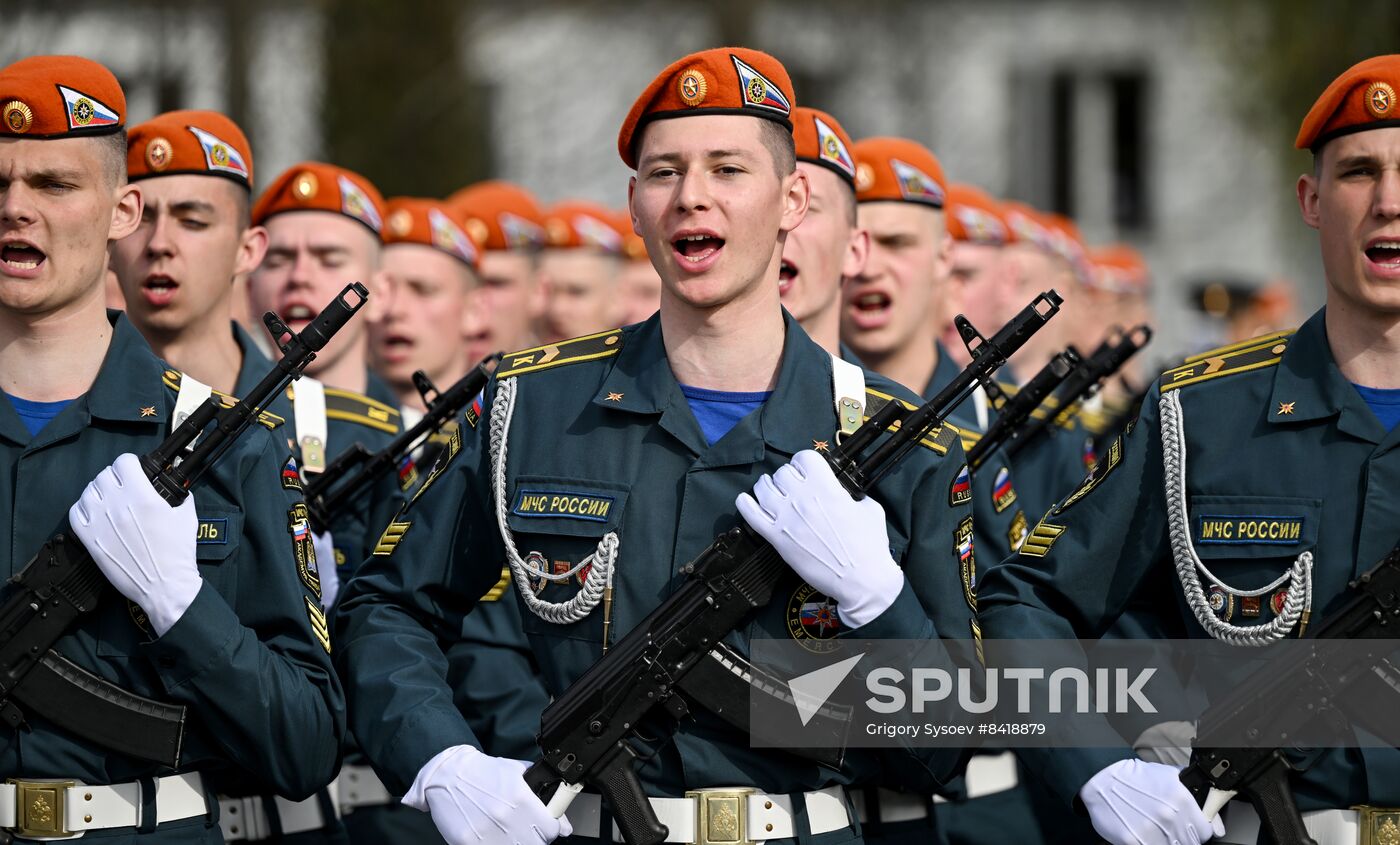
1379 825
39 807
721 816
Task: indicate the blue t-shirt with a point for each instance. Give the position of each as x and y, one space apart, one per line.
1384 403
718 411
36 415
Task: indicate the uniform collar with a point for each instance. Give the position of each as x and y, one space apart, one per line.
1309 386
945 370
799 412
129 383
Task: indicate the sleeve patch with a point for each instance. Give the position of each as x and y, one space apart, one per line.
1043 536
967 560
291 476
1016 534
445 457
1003 494
318 623
1111 459
299 525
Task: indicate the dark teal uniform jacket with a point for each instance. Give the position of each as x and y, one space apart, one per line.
249 659
603 433
1273 432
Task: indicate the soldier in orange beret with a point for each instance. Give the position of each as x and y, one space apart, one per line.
985 286
508 225
431 264
213 607
579 269
653 430
1296 425
638 285
829 246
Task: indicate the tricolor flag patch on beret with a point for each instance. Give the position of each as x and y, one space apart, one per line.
832 149
520 232
916 185
85 111
595 232
980 226
219 154
759 90
448 237
355 203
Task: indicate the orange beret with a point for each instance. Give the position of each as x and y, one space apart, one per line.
428 223
1066 242
633 247
578 224
725 80
1024 223
58 97
182 142
975 217
313 186
898 169
821 140
1360 99
499 215
1118 268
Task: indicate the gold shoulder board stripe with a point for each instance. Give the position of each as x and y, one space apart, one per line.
1266 353
1236 347
352 407
585 348
171 379
939 440
495 593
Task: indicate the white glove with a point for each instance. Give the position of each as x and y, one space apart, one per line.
143 546
838 545
326 569
1134 802
474 798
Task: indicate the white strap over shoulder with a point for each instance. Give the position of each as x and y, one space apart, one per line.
192 394
847 394
309 412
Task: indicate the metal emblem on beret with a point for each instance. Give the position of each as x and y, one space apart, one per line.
401 222
304 187
865 176
1380 99
18 117
693 87
557 231
477 229
158 153
219 154
757 90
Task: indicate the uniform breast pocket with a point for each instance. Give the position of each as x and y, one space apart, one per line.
216 541
564 527
1249 541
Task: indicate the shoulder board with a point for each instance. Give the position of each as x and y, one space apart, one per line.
495 593
938 440
1261 352
537 358
171 379
969 438
444 434
352 407
1236 347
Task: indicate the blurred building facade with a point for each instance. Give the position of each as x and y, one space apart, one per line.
1124 115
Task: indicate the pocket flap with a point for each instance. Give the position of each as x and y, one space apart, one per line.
1253 526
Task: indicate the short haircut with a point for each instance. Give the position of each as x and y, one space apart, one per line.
848 201
781 146
113 152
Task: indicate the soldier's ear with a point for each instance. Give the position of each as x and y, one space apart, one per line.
1308 199
797 193
126 212
252 246
857 253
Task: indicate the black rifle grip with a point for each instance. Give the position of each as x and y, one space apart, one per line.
629 805
1273 801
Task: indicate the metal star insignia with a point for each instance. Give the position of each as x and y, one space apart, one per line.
820 445
1285 408
148 411
614 397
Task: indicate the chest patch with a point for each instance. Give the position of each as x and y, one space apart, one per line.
212 532
1240 529
537 502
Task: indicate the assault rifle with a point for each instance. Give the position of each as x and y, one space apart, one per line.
587 734
62 582
356 469
1013 415
1083 382
1301 689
